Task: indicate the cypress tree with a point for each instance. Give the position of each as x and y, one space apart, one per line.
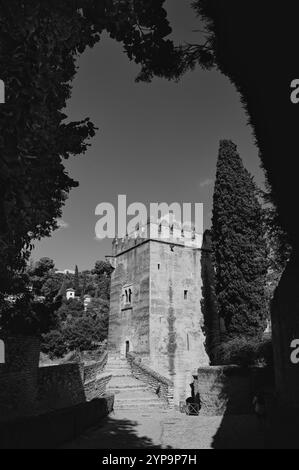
76 282
239 246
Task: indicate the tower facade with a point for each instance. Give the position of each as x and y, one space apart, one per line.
155 308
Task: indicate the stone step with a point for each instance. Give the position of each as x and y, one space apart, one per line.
117 366
130 393
138 406
117 361
138 395
126 388
126 385
120 399
118 372
118 392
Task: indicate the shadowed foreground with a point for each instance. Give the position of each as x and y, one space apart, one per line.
169 429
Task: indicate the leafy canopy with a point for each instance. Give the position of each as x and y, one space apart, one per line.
40 41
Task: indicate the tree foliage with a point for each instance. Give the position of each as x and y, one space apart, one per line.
209 306
26 316
250 61
38 273
103 271
73 328
77 329
239 246
40 41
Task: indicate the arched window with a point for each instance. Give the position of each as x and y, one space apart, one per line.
2 352
127 297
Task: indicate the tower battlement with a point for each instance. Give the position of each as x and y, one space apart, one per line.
163 230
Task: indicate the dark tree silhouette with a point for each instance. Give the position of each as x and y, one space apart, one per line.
239 247
209 300
76 281
103 271
40 41
255 45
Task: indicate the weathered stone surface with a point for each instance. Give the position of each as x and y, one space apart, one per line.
130 323
163 322
155 382
230 390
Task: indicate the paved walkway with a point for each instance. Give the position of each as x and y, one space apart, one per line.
128 429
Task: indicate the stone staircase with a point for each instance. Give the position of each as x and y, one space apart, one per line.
129 392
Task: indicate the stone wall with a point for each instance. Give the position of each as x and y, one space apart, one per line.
93 370
176 321
132 322
51 430
96 387
18 377
69 384
60 386
163 323
26 389
230 389
155 382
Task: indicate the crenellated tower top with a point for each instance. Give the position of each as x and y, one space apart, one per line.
165 230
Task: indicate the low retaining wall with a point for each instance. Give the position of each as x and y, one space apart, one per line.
69 384
230 389
27 390
51 430
18 376
92 369
96 387
160 385
60 386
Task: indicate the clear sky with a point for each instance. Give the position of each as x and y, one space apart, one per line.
156 142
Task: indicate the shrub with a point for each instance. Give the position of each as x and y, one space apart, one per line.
245 352
53 344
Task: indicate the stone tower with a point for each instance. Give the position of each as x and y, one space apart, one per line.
155 308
